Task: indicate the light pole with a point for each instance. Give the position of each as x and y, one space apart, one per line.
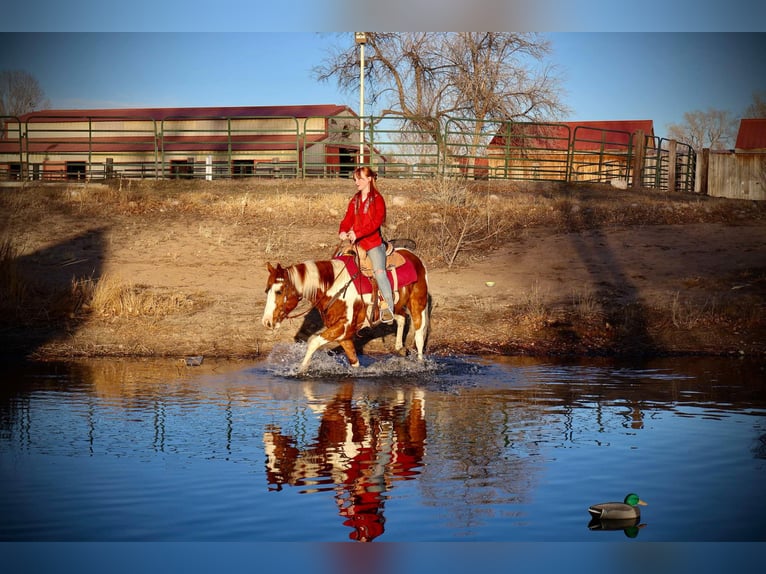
361 39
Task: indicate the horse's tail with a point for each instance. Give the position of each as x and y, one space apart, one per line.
427 314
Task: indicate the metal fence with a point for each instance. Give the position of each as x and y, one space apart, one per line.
88 148
669 165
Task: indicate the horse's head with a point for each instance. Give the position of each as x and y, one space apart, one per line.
281 297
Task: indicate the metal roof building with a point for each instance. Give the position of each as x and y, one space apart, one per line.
180 142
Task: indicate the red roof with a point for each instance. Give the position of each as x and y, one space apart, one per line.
632 126
301 111
590 135
751 134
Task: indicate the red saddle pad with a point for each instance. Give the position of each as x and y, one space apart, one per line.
405 274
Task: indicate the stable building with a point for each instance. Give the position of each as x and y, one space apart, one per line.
207 142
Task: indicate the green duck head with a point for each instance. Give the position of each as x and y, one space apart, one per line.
632 499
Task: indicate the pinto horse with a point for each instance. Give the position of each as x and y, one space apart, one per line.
344 307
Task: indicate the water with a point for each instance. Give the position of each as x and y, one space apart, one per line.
453 449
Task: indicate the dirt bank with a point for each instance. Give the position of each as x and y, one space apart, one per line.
196 275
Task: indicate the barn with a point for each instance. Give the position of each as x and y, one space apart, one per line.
209 142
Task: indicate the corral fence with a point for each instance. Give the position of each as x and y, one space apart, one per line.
51 148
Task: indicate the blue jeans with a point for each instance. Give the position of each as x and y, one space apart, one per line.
377 257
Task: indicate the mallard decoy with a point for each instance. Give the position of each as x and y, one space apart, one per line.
618 510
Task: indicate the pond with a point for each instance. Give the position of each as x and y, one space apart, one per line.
456 448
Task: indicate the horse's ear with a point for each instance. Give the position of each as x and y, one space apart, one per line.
269 267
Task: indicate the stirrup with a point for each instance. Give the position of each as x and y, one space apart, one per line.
386 315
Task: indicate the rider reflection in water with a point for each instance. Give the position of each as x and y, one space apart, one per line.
361 499
361 225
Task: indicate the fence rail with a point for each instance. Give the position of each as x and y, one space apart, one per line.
53 148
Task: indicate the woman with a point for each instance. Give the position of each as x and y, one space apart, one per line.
365 215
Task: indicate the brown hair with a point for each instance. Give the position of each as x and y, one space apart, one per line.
367 171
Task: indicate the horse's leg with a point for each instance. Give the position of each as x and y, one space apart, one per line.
420 325
420 333
313 344
348 348
401 320
330 334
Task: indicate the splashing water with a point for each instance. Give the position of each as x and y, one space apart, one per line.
284 361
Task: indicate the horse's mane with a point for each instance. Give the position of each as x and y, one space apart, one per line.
310 277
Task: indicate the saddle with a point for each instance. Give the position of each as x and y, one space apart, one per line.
394 259
400 271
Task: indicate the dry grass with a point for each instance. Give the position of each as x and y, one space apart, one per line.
585 304
452 221
111 296
686 314
431 212
13 290
533 304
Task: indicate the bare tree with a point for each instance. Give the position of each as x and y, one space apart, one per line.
427 77
757 109
712 129
20 93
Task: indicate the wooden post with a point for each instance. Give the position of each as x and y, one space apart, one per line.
639 156
672 167
701 175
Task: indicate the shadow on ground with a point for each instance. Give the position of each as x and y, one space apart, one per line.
39 301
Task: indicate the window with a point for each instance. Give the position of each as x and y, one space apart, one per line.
182 168
75 170
242 167
14 171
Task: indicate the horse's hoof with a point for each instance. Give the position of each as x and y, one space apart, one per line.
355 365
402 352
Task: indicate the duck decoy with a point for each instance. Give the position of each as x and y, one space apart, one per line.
625 510
194 361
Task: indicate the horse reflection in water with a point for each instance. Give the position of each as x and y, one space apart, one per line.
362 447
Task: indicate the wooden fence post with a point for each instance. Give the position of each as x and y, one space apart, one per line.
703 167
639 156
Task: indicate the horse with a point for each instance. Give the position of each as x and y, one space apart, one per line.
340 296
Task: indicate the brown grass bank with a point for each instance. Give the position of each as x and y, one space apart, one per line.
175 268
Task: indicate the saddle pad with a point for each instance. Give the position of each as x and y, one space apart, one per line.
406 274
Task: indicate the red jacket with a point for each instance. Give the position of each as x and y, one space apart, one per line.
365 218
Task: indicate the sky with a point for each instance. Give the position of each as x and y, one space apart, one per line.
85 58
